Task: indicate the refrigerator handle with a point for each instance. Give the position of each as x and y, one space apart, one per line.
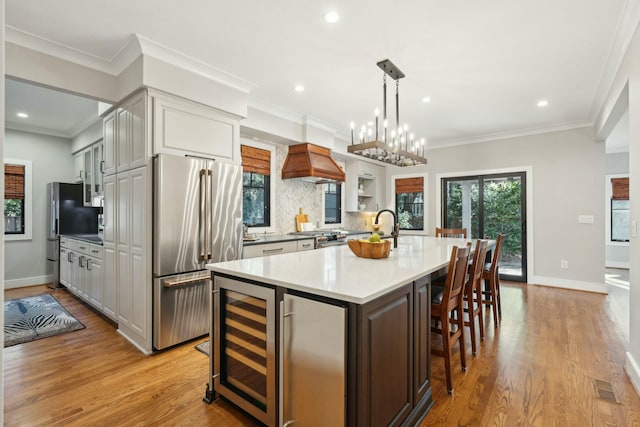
54 217
210 220
202 216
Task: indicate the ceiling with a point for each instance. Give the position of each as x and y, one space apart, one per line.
51 112
485 64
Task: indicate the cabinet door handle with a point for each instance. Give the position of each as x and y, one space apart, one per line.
270 251
101 166
88 264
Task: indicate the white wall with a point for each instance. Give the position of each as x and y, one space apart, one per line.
26 261
567 169
1 208
627 85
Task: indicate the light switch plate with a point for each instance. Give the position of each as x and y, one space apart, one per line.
585 219
634 228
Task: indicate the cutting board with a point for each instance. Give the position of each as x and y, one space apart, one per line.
300 218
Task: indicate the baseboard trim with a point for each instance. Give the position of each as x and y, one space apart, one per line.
122 331
577 285
633 372
616 264
28 281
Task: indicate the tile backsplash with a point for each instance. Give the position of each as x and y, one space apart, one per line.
292 194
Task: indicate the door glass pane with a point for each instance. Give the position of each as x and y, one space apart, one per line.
502 213
462 206
486 206
244 343
88 179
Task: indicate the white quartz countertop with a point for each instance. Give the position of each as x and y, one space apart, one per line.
335 272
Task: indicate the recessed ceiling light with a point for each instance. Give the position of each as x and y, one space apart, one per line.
331 17
22 115
543 103
426 99
299 88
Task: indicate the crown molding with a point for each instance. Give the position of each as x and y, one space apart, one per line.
627 26
135 46
446 143
58 50
276 111
310 121
172 56
35 129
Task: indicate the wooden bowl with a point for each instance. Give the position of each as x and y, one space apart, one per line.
369 249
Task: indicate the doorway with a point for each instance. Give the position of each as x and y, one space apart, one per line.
488 205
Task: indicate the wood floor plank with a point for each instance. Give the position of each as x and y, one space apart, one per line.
536 369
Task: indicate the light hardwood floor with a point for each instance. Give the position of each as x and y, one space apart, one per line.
537 369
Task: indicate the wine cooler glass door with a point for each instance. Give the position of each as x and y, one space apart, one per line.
245 341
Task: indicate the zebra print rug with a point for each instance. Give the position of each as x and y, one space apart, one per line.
28 319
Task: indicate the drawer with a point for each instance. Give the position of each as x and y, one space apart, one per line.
66 242
305 245
267 249
95 251
83 247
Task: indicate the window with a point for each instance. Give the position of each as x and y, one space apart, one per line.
410 203
256 186
332 203
14 199
17 199
620 209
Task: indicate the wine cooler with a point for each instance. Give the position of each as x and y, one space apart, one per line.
244 347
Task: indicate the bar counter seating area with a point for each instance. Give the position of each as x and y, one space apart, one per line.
354 347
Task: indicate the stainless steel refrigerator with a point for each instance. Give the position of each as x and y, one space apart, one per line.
66 214
197 219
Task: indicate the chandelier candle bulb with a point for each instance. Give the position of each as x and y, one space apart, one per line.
352 126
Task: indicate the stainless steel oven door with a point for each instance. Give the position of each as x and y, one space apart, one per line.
180 308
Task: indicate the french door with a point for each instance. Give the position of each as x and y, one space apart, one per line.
487 205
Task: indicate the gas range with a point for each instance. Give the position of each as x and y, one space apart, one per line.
324 238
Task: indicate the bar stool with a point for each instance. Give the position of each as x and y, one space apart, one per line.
443 306
451 232
491 293
473 294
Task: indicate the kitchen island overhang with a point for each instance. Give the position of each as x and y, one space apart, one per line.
385 307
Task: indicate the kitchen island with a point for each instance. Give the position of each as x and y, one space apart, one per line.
325 337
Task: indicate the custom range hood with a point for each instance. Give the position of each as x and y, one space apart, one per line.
311 163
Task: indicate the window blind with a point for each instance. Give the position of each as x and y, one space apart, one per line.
410 185
13 181
255 160
620 188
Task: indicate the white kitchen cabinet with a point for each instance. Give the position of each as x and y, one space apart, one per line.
95 276
132 260
306 245
82 272
109 296
266 249
78 166
125 136
109 140
88 166
183 127
131 134
65 266
109 260
364 186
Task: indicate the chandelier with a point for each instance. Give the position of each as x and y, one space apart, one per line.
396 145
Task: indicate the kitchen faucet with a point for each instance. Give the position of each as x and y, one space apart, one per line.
396 226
